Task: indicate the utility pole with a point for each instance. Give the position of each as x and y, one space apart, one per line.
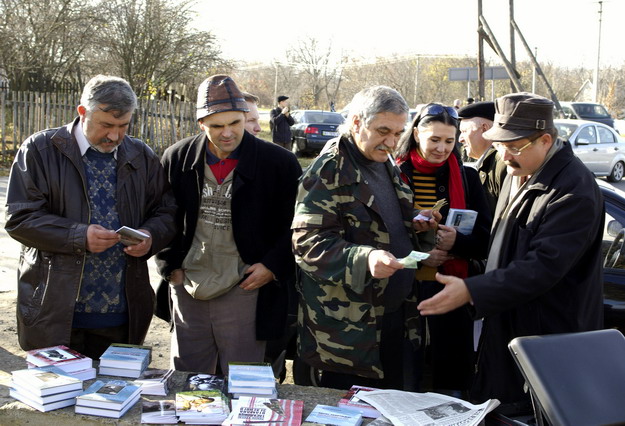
534 71
596 73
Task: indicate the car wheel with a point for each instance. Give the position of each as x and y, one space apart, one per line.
617 172
304 374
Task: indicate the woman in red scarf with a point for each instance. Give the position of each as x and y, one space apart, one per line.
430 162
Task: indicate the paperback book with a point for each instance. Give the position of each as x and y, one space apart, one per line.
129 357
330 415
250 410
43 381
37 405
103 412
352 401
121 372
201 407
159 412
202 381
155 381
111 395
60 356
26 393
462 219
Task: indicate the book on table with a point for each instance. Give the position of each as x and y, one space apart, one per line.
250 410
43 381
203 381
202 406
103 412
38 404
130 357
121 372
111 395
45 399
352 401
60 356
250 375
330 415
159 412
155 381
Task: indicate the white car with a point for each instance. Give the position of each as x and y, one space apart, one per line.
599 147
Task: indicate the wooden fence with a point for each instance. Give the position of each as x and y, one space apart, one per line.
157 123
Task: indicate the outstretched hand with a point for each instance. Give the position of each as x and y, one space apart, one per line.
454 295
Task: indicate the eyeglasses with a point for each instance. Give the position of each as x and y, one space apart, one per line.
513 150
437 109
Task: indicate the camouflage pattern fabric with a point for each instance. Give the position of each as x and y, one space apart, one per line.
336 225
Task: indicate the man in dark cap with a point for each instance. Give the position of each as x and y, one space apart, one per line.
476 119
280 122
544 272
227 266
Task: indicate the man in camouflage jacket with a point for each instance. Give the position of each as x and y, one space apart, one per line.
353 220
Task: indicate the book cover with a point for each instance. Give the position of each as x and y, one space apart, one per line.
251 375
55 405
200 406
112 394
201 381
155 381
61 356
250 410
462 219
159 412
47 398
351 401
103 412
329 415
44 381
131 357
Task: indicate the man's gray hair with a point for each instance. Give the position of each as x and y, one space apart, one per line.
369 102
110 93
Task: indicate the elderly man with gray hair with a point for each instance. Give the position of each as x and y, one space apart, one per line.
69 190
353 220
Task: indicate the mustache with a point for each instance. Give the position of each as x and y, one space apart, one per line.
512 164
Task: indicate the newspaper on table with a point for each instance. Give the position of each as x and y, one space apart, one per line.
412 260
414 409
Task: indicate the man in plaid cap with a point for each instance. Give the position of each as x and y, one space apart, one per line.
229 264
544 271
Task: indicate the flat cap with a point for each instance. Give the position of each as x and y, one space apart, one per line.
478 109
520 115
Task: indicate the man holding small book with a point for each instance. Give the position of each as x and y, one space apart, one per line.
69 190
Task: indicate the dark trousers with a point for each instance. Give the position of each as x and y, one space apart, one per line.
391 357
94 341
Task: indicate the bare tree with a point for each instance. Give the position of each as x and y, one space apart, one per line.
42 41
152 44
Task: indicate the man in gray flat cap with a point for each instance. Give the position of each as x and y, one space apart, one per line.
544 272
476 119
230 263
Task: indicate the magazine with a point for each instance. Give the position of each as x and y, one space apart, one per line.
250 410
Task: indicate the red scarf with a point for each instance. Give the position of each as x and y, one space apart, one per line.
456 267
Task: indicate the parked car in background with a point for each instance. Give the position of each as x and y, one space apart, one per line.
312 129
587 111
599 147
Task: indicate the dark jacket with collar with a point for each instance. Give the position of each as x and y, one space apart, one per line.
492 173
263 199
550 271
48 212
280 125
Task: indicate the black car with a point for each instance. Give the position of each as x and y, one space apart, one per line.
312 129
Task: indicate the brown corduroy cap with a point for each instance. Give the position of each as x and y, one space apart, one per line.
519 115
219 93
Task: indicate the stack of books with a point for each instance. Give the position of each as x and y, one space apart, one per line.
155 381
330 415
251 379
159 412
45 388
202 407
67 359
352 401
249 410
125 360
112 398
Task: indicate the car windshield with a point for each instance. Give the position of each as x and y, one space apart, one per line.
323 118
591 111
566 130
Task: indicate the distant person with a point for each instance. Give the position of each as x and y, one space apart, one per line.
476 119
252 117
457 103
332 106
353 221
70 188
544 271
228 265
470 101
280 122
429 157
